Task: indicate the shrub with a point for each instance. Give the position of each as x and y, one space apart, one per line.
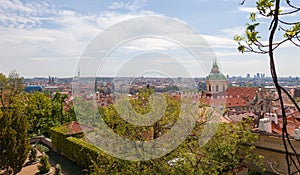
44 166
32 154
57 169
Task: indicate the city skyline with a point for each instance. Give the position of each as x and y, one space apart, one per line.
47 37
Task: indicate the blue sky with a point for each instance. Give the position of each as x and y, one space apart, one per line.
41 38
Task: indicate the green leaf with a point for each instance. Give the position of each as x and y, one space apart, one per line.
238 38
293 31
252 27
241 48
252 16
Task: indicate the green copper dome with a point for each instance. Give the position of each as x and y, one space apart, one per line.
215 73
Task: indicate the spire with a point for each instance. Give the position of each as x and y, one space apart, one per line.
215 68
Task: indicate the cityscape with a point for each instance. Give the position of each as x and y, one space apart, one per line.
149 87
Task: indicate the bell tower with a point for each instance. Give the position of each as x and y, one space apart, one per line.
216 82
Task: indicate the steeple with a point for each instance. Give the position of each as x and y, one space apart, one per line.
216 81
215 68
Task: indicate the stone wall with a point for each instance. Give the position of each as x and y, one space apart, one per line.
272 148
42 139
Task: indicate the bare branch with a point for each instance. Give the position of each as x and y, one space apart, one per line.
287 23
292 6
242 3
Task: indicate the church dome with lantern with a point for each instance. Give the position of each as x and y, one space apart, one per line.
216 81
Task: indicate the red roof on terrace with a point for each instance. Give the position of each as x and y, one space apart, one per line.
76 128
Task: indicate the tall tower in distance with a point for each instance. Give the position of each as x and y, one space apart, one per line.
216 81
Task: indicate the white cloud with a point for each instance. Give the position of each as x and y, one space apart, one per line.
134 5
219 42
230 32
247 9
40 32
25 15
117 5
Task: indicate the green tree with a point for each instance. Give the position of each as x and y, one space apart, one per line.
44 112
14 145
231 147
44 166
283 28
38 110
59 111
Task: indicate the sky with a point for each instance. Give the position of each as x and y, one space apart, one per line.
50 38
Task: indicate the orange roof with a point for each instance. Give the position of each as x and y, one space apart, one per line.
235 102
244 92
292 124
230 102
76 128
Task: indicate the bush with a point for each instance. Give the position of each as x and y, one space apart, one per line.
44 166
57 169
32 154
42 148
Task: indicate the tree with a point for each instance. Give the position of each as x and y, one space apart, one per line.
231 147
59 111
44 166
44 112
285 30
38 110
14 145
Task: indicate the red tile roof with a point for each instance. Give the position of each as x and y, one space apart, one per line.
244 92
76 128
291 126
236 102
229 102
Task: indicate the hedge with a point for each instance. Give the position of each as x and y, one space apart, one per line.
74 147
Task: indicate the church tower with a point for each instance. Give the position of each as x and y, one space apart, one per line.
216 81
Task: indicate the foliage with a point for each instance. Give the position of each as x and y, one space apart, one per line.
44 113
74 148
42 148
44 166
230 148
38 111
141 105
84 113
59 113
33 154
14 145
57 169
236 142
